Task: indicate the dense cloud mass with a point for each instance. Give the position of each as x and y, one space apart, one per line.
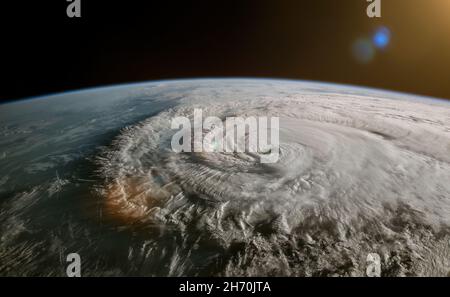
359 172
356 175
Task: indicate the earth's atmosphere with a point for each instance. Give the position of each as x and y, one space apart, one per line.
91 172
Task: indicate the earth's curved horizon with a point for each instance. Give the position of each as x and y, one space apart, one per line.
90 171
369 89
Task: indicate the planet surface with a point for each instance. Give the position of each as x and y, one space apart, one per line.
361 172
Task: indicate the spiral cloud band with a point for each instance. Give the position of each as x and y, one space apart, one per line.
356 174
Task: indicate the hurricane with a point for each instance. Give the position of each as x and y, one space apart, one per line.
351 177
359 171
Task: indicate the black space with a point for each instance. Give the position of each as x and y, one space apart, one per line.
43 51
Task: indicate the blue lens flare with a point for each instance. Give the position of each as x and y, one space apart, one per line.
381 38
363 51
